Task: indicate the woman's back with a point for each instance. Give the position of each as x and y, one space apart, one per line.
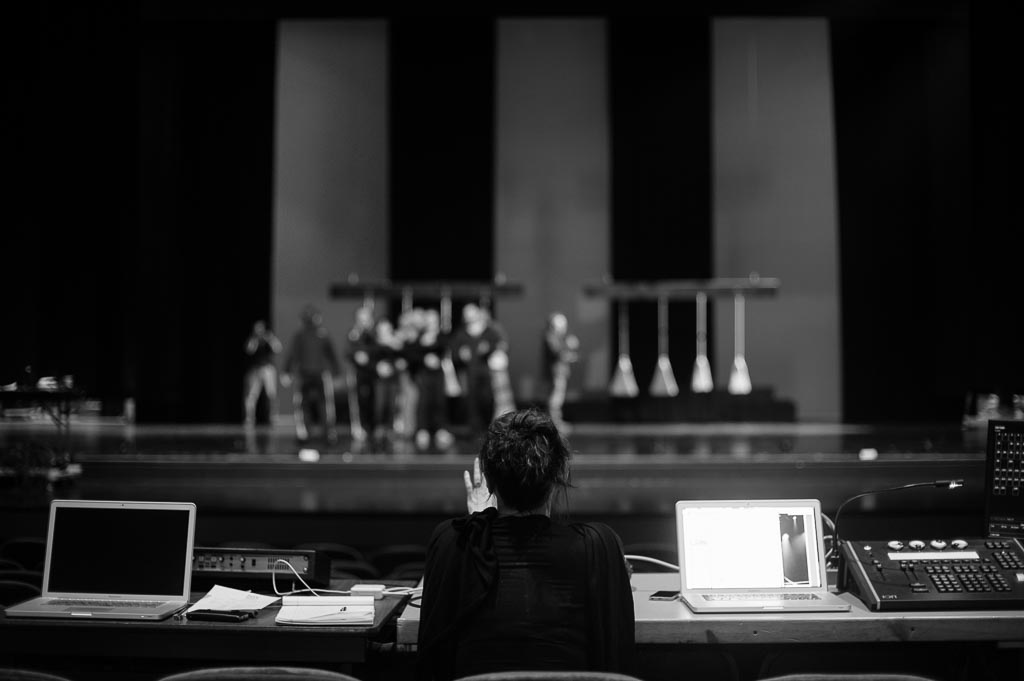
524 592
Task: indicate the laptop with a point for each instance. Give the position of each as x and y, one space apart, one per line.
753 556
115 560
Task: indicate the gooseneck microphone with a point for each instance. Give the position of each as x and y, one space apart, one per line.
947 484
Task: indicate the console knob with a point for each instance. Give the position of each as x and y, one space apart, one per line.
895 545
916 544
938 544
959 544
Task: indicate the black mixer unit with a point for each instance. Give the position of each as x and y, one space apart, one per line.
1004 479
937 574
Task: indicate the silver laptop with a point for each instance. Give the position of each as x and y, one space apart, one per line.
753 556
115 560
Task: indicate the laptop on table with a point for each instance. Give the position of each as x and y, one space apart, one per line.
753 556
115 560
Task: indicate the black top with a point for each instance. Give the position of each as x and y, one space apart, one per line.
503 593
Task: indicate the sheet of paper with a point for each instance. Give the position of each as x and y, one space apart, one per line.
225 598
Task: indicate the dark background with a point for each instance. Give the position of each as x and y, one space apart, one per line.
138 142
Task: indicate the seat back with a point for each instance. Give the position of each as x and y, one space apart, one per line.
259 674
12 592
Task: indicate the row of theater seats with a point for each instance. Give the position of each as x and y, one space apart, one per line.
303 674
21 569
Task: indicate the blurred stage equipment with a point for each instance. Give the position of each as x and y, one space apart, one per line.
663 383
701 381
623 384
739 377
623 381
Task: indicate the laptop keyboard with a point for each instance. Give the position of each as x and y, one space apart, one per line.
761 597
89 602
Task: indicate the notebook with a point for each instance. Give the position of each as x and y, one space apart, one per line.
753 556
115 560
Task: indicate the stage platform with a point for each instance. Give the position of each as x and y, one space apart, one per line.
250 483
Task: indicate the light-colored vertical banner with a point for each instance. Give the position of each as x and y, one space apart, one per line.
331 168
552 207
774 184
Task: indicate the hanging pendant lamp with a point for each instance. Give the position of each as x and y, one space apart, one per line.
701 381
739 377
623 381
663 383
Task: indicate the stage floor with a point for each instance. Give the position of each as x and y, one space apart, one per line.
254 481
87 439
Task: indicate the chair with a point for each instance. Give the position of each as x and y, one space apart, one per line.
28 576
408 571
353 569
849 677
7 564
387 558
333 550
259 674
10 674
550 676
28 552
12 592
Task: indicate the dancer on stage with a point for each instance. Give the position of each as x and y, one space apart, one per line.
387 359
476 345
312 362
362 375
425 357
261 376
560 351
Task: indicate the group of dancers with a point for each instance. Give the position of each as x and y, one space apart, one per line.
409 378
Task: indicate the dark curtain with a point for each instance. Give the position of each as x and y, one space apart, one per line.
442 148
660 92
911 260
137 250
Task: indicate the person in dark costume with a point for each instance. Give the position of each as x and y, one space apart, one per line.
313 364
426 356
362 375
261 376
509 588
476 345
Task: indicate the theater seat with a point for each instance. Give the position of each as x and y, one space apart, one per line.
27 576
28 552
848 677
6 564
259 674
333 550
353 569
9 674
12 592
387 558
550 676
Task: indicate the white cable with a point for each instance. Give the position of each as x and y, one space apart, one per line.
273 580
648 559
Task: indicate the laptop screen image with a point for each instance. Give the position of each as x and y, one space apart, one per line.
118 550
749 545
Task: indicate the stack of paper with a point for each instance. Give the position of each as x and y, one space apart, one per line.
225 599
326 610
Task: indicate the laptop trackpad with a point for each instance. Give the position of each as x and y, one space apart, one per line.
88 612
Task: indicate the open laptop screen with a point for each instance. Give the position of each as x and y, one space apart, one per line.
97 550
749 547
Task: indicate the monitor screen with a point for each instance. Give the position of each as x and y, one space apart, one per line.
749 547
119 550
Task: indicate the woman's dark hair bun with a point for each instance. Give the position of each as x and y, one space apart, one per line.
524 458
